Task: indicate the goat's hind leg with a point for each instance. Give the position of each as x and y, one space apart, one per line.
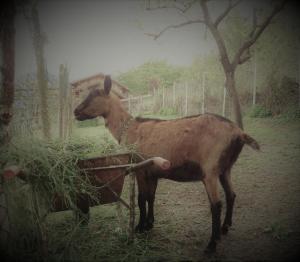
211 186
142 207
225 180
142 197
150 199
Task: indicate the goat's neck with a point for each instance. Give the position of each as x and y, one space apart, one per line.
116 120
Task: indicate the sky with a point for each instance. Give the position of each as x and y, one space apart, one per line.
107 36
94 36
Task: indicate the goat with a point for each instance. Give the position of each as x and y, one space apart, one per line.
200 148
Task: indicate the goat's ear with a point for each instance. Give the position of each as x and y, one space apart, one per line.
107 84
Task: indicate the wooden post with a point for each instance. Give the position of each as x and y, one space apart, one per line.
7 71
173 95
141 105
186 99
224 101
66 105
299 78
132 206
70 110
61 101
163 97
7 65
254 79
153 100
42 81
203 93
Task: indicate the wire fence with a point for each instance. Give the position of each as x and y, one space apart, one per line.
184 99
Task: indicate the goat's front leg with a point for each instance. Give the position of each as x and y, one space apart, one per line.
216 208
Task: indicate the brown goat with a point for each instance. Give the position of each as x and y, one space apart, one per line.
200 148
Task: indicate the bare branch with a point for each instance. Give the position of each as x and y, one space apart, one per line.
183 9
254 22
216 34
189 22
226 11
256 32
244 59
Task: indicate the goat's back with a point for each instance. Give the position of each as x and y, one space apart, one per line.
202 139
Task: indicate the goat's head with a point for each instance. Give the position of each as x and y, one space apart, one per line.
97 103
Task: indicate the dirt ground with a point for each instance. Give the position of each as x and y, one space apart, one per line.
267 211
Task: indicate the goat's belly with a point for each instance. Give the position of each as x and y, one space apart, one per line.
189 171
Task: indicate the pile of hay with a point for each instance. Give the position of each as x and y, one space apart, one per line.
50 168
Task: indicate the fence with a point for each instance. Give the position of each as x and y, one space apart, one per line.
186 98
27 106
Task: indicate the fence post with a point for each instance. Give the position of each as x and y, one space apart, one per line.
299 78
66 106
163 95
224 101
141 108
186 99
70 109
132 206
254 79
173 101
65 97
203 92
61 100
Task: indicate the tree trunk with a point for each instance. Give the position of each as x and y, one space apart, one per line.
7 40
42 81
230 86
8 69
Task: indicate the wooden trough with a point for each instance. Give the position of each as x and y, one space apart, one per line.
107 174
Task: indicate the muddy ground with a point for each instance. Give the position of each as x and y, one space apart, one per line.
266 219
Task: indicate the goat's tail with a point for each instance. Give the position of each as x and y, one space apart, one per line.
250 141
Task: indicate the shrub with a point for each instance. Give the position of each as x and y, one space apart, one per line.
280 95
259 111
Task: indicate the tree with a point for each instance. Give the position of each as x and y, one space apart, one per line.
240 56
149 74
7 40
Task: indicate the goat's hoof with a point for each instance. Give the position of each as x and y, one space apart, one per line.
211 248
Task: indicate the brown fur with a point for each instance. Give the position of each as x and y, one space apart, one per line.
202 147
